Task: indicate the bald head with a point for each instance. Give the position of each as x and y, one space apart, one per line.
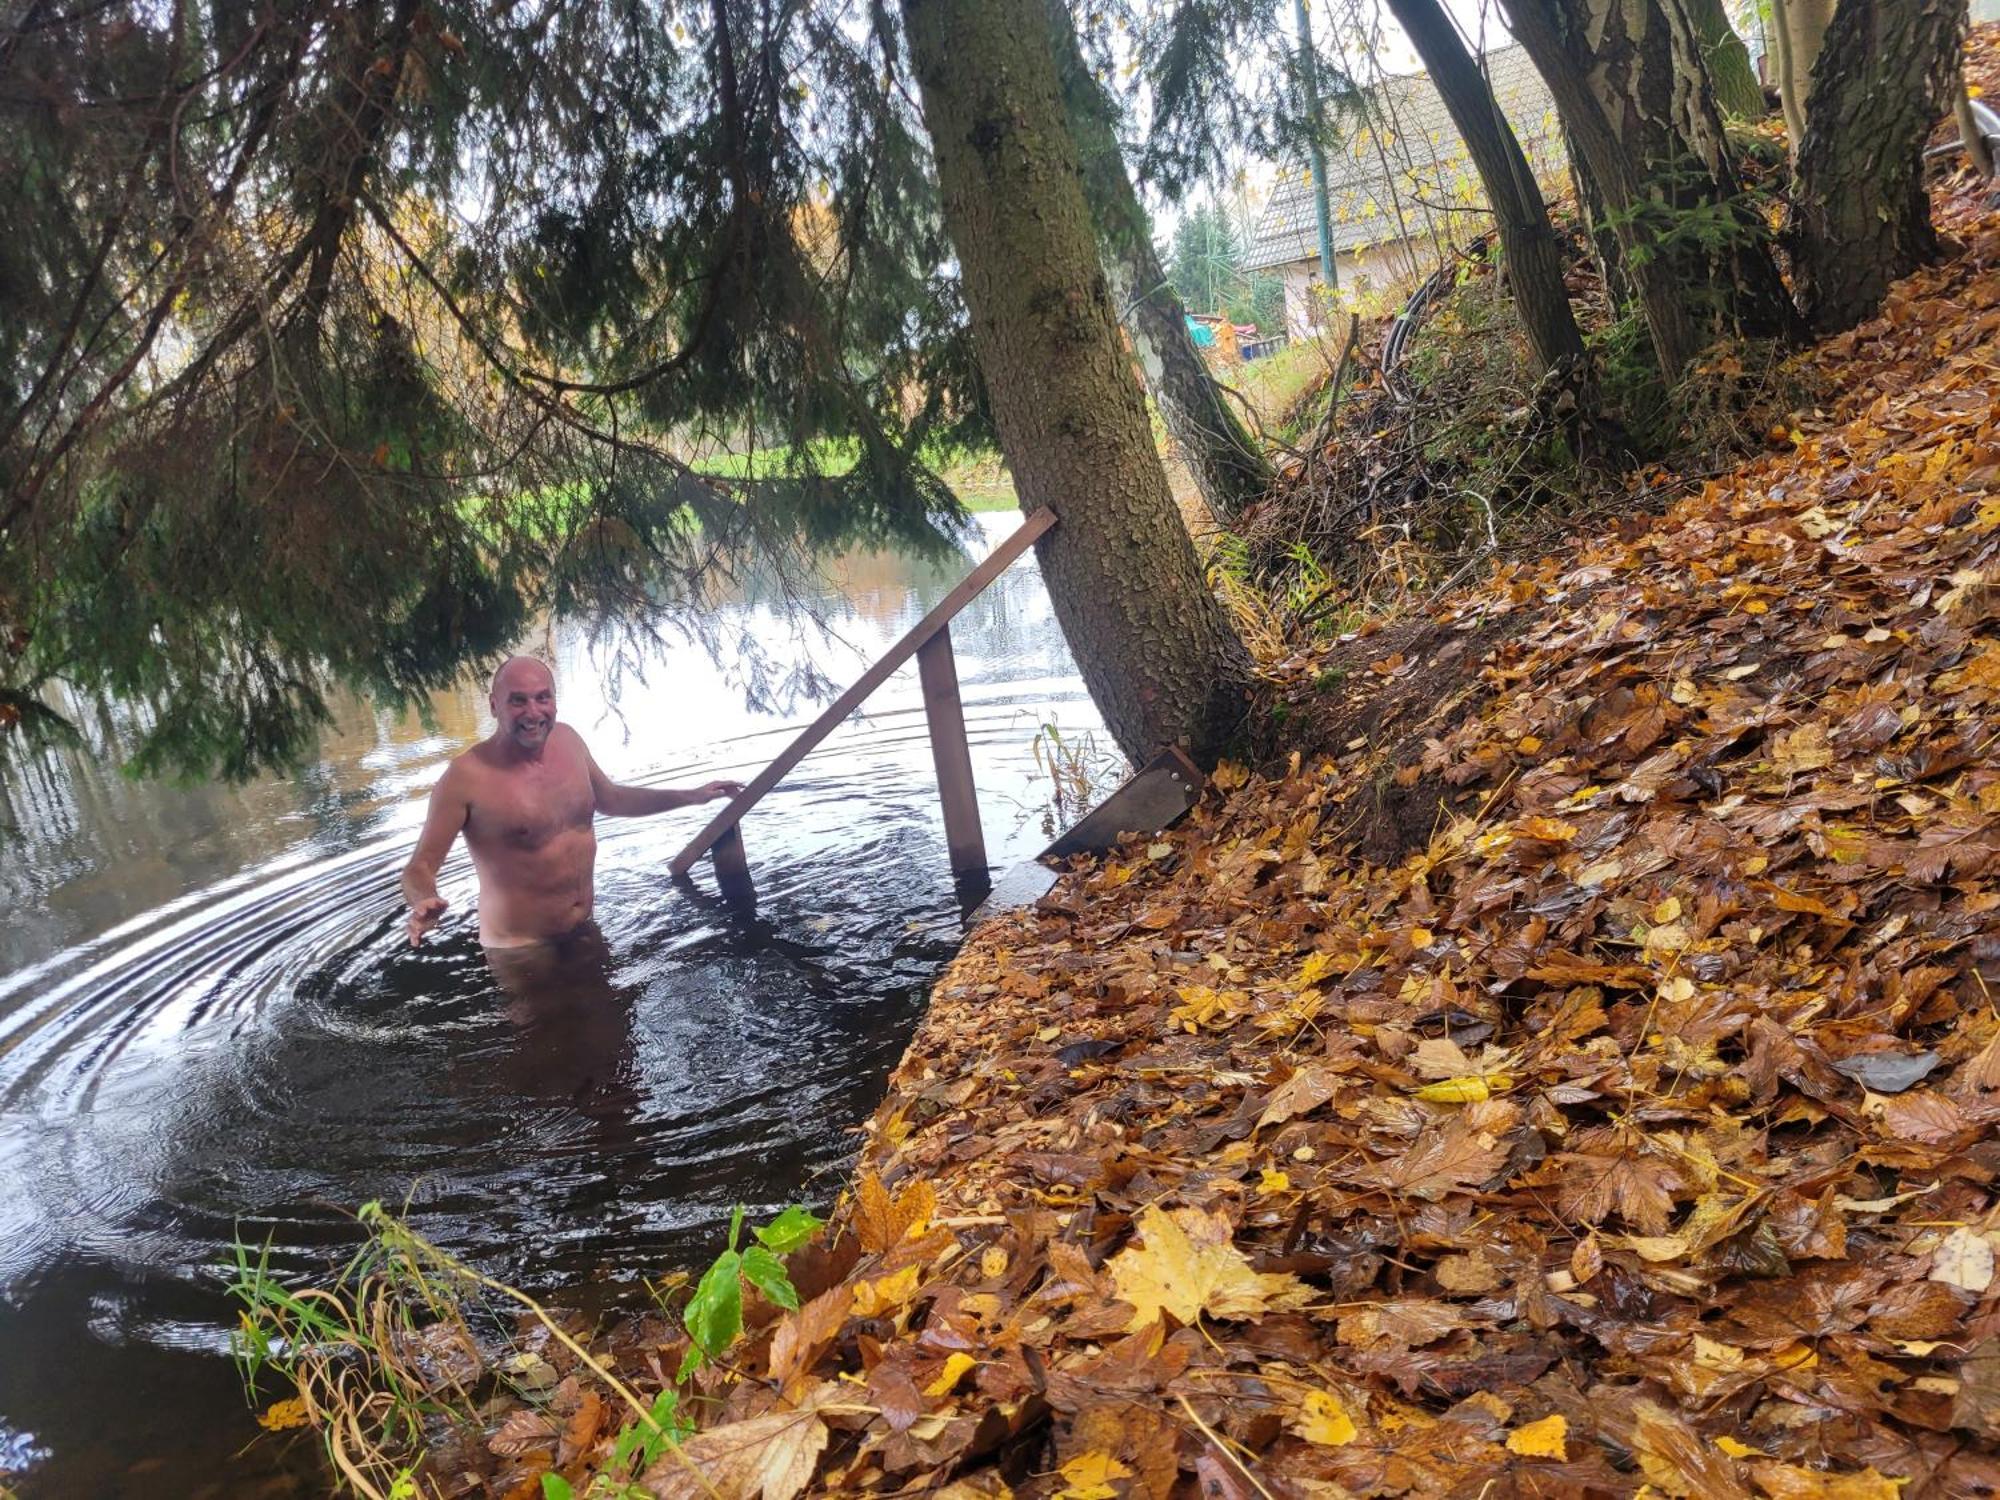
521 669
523 699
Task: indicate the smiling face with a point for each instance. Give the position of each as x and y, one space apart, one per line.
524 703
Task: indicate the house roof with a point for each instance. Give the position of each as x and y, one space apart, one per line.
1403 155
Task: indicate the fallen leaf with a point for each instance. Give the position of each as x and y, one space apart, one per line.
280 1416
1088 1476
1322 1420
1887 1072
1543 1439
955 1365
1964 1260
1188 1265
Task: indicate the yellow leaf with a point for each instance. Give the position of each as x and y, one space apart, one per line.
1421 937
1273 1181
885 1295
1316 967
1228 776
1735 1449
1791 1482
1476 1089
1543 1439
1189 1265
955 1366
281 1415
1088 1476
1667 910
1323 1420
1529 744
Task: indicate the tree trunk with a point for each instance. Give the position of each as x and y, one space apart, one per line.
1859 215
1736 87
1533 253
1228 468
1151 641
1785 75
1800 27
1628 82
1592 209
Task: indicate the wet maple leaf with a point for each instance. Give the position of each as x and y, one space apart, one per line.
881 1221
1188 1264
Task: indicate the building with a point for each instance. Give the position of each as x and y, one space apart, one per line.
1401 189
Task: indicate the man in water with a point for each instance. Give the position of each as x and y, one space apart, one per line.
524 798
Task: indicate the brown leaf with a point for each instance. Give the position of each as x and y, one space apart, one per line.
1448 1156
523 1430
881 1222
772 1456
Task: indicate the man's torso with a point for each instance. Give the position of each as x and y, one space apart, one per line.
529 830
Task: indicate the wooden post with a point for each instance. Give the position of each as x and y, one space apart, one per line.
938 672
732 869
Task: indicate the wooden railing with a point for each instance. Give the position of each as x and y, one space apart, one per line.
930 642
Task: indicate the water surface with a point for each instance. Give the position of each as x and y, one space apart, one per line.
212 1027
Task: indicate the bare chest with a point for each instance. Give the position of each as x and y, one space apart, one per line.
528 807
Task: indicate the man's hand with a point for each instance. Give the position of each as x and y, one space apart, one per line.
424 916
710 791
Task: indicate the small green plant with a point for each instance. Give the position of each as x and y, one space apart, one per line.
387 1348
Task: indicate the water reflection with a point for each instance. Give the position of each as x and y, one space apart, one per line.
211 1024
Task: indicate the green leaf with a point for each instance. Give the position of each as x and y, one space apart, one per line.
735 1225
766 1272
555 1487
665 1427
789 1230
714 1314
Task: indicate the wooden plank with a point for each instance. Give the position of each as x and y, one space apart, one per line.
968 589
1158 793
732 869
945 714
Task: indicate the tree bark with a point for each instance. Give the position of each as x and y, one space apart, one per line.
1228 467
1151 641
1533 253
1859 215
1634 96
1736 87
1800 31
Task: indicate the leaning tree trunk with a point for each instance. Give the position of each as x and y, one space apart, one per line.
1528 239
1736 87
1634 97
1228 468
1152 642
1859 215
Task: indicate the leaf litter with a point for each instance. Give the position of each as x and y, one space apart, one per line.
1632 1136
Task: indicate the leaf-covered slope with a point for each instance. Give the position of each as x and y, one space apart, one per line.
1656 1095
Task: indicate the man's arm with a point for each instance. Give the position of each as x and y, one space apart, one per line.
616 801
448 811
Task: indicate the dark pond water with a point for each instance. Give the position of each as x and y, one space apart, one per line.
211 1026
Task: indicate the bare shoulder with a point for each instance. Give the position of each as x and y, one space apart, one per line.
571 741
461 773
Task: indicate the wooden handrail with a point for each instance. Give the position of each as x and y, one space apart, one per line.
968 588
